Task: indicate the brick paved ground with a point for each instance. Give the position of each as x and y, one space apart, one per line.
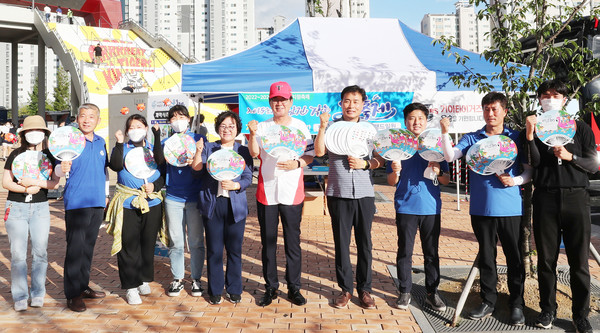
186 313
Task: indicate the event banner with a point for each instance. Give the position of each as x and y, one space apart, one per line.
382 109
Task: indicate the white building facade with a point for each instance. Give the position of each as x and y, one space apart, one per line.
204 29
27 73
340 8
463 26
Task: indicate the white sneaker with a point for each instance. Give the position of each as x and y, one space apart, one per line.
144 289
133 296
37 302
21 305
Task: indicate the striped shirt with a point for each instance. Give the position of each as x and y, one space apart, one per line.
342 183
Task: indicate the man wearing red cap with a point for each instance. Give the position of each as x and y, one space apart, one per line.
280 192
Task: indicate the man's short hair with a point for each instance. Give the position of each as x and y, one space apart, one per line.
415 106
89 106
493 97
556 85
354 89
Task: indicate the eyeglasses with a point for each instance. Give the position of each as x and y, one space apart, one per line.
231 128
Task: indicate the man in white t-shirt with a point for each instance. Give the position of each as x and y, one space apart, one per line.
280 192
47 12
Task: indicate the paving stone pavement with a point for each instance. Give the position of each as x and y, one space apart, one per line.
186 313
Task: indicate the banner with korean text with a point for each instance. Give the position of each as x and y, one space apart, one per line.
382 109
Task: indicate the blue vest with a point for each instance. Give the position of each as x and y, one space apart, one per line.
86 186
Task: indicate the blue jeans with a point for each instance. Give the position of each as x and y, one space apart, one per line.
24 220
182 217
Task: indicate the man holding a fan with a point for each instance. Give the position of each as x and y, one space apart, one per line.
351 203
561 207
418 206
84 208
496 209
280 192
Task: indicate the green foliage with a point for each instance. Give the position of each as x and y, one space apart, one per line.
32 105
315 7
62 96
519 83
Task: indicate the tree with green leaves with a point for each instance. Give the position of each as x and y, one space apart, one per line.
547 46
314 7
62 96
32 104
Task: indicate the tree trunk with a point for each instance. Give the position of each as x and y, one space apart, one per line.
526 228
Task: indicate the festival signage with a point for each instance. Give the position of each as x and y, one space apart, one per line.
382 109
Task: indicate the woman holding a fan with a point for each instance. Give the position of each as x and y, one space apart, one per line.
135 211
28 176
181 202
223 205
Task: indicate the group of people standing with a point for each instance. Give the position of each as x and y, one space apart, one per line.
59 14
198 209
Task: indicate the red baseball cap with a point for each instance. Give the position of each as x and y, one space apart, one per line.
280 89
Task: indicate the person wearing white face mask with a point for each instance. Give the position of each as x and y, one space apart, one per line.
28 215
561 207
135 211
182 212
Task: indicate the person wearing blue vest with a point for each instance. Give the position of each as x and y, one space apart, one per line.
496 209
181 209
135 211
85 196
224 208
418 205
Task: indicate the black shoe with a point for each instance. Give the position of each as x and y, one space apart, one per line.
214 299
296 297
545 319
235 298
482 311
582 325
435 302
516 317
403 301
268 297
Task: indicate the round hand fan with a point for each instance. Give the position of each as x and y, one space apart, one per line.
179 148
492 155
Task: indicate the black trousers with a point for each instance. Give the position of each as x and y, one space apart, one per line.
223 232
81 228
429 230
566 213
488 230
138 239
268 218
345 214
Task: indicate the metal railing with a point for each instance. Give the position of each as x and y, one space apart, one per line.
67 54
157 41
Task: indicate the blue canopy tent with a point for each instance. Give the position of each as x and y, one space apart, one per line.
325 55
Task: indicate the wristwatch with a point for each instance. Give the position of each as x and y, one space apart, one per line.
574 158
367 165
